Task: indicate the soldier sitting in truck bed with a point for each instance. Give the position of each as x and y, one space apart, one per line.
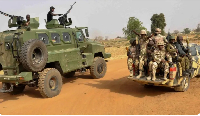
159 56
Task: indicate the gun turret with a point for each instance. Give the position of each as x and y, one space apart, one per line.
63 19
14 21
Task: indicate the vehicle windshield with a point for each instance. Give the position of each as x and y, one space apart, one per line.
79 36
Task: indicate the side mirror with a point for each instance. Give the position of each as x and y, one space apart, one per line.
86 32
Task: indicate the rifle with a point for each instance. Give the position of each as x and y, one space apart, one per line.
63 19
137 47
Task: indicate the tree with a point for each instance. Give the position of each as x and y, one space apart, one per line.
133 24
186 31
158 21
176 31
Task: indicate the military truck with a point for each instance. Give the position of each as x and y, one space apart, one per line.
40 57
175 79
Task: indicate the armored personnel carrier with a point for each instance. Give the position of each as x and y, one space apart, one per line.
40 57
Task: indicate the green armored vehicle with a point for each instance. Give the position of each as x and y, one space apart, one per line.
38 57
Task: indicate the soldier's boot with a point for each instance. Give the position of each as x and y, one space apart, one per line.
149 77
153 76
140 74
165 76
131 73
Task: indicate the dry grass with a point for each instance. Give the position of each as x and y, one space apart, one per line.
117 52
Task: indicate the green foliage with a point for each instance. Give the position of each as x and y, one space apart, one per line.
133 24
186 31
176 31
158 21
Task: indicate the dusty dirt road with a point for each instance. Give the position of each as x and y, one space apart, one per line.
113 94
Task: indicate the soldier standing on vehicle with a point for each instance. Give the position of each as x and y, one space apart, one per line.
157 37
159 56
50 14
183 52
150 50
132 58
143 41
27 20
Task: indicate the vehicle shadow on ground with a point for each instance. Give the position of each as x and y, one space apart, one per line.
30 91
126 86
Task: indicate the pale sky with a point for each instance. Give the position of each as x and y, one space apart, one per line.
107 17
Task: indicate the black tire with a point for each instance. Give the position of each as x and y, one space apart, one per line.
69 74
185 83
33 55
98 68
50 82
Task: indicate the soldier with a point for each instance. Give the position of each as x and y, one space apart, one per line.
143 41
27 20
171 48
183 52
159 55
157 36
132 58
50 14
150 50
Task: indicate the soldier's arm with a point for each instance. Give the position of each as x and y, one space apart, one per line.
150 36
55 14
136 33
180 51
165 40
129 52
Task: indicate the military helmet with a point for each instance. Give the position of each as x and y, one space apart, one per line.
157 30
52 7
171 38
160 43
143 32
132 40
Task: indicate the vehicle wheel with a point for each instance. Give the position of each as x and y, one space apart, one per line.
69 74
33 55
50 82
98 68
184 85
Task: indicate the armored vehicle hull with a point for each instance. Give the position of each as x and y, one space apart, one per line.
40 57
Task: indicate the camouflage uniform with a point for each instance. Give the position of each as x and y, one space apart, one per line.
150 50
132 58
171 48
185 62
143 51
159 37
158 57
